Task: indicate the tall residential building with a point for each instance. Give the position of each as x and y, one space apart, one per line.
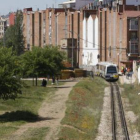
119 31
112 33
50 26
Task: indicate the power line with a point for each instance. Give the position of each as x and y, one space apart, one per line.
94 48
98 45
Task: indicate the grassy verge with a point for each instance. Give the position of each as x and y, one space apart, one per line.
14 113
131 92
83 110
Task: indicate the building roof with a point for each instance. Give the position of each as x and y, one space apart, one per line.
2 19
132 13
70 1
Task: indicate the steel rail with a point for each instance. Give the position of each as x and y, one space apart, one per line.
113 114
123 120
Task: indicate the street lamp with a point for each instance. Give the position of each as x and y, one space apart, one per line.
72 49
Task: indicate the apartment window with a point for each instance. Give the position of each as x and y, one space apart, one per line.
133 25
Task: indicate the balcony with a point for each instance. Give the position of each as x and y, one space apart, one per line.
133 24
133 27
134 40
133 47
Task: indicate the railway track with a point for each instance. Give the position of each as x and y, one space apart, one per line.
119 126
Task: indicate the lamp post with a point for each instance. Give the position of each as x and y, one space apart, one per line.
72 49
72 36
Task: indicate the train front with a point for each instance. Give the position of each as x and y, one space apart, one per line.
111 73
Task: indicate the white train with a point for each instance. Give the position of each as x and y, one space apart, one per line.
107 70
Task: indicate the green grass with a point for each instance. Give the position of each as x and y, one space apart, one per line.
14 113
35 134
83 110
131 92
6 130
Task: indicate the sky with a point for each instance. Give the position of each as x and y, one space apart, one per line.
7 6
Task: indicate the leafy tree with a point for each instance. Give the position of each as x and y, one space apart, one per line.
14 34
10 84
55 59
1 42
42 61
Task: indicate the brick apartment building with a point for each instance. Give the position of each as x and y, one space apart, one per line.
118 30
11 18
103 31
51 27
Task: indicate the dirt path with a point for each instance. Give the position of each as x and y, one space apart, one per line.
53 110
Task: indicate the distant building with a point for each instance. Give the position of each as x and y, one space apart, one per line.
3 26
75 4
68 4
25 10
12 18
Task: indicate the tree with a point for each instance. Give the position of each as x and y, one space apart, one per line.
1 42
10 84
55 60
14 34
42 62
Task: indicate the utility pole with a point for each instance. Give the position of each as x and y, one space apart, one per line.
72 37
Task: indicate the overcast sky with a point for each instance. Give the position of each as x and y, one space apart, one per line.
7 6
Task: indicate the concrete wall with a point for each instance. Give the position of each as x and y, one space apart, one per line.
90 41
